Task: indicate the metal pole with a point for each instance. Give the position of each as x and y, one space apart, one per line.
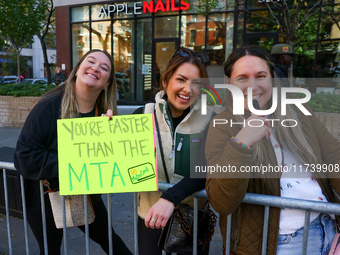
195 225
43 214
265 230
305 233
228 237
7 213
24 211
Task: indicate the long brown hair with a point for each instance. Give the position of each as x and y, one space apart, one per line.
107 98
292 139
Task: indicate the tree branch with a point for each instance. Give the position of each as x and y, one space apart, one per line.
307 16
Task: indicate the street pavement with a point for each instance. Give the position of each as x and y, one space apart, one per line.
122 218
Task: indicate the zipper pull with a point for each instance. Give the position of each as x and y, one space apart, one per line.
179 147
171 155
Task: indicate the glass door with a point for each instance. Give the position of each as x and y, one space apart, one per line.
162 52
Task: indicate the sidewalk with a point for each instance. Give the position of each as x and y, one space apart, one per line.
122 217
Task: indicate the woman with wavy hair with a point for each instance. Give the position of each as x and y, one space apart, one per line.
89 91
253 141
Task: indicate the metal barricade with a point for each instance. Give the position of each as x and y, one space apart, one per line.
258 199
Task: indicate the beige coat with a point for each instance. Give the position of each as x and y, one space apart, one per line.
193 123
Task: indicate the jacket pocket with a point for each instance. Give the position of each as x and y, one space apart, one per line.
186 150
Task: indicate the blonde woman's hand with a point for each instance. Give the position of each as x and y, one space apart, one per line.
159 214
251 134
109 114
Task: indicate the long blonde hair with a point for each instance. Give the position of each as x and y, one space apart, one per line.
107 98
292 139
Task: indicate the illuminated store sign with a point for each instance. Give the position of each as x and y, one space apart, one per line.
143 7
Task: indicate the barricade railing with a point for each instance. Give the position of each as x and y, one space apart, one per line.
258 199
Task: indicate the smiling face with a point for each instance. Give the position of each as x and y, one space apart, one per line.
179 90
251 71
94 72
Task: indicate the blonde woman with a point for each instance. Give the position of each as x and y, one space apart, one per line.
89 91
245 146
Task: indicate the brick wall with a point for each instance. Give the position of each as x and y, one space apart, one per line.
14 110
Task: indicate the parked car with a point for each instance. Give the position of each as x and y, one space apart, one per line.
9 79
35 81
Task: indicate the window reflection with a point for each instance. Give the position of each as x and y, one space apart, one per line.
80 41
144 57
123 57
193 32
80 14
166 27
220 37
101 35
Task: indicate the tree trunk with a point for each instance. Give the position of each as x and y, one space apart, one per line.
18 64
46 64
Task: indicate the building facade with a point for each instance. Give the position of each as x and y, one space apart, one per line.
142 36
33 61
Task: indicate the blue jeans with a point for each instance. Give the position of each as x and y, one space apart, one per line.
321 234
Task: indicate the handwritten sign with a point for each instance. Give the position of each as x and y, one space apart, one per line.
97 155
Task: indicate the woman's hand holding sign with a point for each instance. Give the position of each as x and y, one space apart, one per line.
109 114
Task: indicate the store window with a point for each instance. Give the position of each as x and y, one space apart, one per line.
96 13
80 35
123 55
101 35
144 60
193 32
166 27
259 21
80 14
220 37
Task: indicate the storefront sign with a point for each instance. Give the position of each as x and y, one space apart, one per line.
97 155
143 7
